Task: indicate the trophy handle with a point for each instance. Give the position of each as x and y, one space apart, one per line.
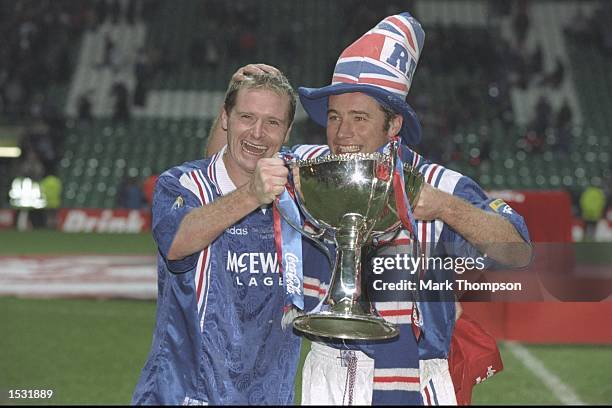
290 161
394 146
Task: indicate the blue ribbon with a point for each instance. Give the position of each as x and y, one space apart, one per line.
399 168
291 246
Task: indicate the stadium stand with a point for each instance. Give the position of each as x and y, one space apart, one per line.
145 83
97 158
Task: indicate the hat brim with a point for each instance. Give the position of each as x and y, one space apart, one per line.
315 103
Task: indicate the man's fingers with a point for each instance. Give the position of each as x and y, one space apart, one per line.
271 182
273 167
268 68
260 69
253 69
277 190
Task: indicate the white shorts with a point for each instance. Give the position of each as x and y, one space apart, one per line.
326 379
436 382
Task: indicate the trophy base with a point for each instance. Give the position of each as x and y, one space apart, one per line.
340 326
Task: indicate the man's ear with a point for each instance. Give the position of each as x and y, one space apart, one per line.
395 126
224 118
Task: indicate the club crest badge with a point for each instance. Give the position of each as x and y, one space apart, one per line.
178 203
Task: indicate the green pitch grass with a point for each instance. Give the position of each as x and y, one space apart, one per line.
53 242
92 351
86 351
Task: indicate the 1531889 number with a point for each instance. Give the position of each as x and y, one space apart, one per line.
30 394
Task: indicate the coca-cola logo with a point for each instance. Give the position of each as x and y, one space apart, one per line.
291 278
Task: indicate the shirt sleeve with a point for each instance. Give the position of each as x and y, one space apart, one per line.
171 203
470 191
304 152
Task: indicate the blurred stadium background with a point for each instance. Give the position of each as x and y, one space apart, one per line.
98 97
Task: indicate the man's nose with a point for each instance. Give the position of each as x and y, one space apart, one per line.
258 129
345 130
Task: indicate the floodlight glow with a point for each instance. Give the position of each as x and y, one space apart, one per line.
10 152
26 193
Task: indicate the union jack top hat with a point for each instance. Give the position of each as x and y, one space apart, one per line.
381 64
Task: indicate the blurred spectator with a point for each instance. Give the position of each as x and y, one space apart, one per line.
520 22
31 166
580 27
592 205
142 74
563 128
15 97
36 40
40 135
115 11
554 78
130 13
485 144
601 28
212 53
565 115
101 11
197 52
543 116
121 106
109 52
286 41
248 44
84 108
51 189
130 195
499 8
536 61
148 188
563 122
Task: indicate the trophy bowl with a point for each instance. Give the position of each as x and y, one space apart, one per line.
389 219
331 187
345 195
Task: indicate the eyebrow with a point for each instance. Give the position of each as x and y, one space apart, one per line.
352 112
267 117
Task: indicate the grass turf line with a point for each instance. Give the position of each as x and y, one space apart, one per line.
587 368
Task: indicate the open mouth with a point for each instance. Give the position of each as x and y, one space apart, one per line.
341 149
256 150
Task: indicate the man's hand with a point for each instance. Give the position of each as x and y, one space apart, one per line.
268 180
252 69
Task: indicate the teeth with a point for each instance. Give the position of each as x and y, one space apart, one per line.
349 149
253 148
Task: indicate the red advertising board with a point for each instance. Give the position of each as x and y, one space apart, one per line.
104 220
549 217
7 219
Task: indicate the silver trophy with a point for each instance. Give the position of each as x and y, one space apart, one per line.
349 199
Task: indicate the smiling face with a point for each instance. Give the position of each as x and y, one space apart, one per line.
356 123
257 126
